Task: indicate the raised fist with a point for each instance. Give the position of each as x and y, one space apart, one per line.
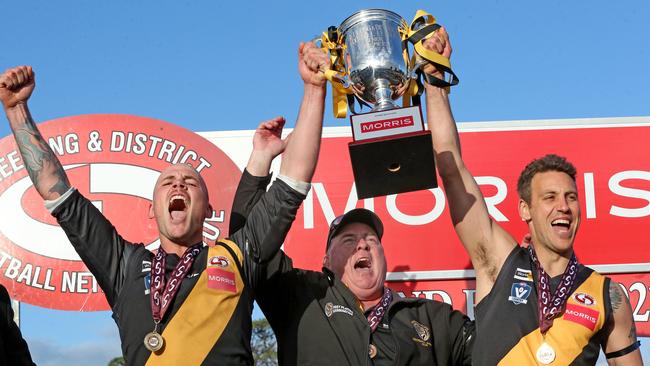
312 63
438 43
16 86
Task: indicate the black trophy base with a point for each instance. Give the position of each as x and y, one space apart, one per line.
393 165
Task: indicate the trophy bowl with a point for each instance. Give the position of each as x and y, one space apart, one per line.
374 57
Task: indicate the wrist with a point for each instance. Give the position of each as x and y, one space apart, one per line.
17 112
316 90
259 163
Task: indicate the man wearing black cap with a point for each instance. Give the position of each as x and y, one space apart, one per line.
345 315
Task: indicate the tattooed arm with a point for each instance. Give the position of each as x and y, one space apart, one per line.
622 335
43 167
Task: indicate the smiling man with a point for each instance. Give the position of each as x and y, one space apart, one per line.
536 305
187 304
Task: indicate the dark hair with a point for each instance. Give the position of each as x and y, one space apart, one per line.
547 163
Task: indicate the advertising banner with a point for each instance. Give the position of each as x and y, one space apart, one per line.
115 159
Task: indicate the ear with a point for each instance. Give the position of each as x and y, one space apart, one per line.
151 213
208 211
326 261
524 210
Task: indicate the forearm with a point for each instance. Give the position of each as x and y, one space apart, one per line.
300 156
249 191
42 165
444 132
259 163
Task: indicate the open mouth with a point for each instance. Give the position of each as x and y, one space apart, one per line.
363 263
177 207
561 226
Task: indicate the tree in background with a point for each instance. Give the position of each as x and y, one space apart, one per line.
263 344
117 361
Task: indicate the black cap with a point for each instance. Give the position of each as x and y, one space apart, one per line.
361 215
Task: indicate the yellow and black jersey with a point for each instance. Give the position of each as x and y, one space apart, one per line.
209 320
507 325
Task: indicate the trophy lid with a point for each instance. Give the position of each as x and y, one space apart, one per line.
368 15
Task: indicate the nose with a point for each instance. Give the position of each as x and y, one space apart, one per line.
178 183
562 204
362 244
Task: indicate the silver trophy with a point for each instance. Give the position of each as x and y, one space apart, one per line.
374 57
391 152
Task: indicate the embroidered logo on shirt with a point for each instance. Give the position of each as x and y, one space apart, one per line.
146 266
581 315
219 261
331 309
218 279
519 293
584 299
524 275
147 284
423 332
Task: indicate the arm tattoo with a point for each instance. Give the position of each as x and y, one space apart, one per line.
38 157
615 295
632 334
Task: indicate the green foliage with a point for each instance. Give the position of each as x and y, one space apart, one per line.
117 361
263 344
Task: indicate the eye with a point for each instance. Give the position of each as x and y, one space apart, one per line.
572 197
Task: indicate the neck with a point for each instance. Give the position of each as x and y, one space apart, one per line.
174 248
367 304
553 263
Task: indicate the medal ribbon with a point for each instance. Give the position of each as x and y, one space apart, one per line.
161 294
548 308
377 313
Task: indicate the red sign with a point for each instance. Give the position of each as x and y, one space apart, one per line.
581 315
114 160
420 243
386 124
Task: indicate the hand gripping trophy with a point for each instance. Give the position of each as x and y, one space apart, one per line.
391 151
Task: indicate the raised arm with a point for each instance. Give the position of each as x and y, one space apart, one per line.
621 348
299 158
486 242
267 144
98 243
43 167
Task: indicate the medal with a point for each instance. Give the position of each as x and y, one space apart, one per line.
545 354
551 306
163 292
153 341
372 351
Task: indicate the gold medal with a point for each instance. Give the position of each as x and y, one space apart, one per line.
372 351
545 354
154 341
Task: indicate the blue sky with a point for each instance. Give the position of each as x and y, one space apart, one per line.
210 65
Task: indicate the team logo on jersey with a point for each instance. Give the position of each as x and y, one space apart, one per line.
519 293
147 284
114 161
524 275
328 309
422 331
584 299
146 266
219 261
331 309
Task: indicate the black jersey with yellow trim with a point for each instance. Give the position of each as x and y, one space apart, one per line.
507 325
123 271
